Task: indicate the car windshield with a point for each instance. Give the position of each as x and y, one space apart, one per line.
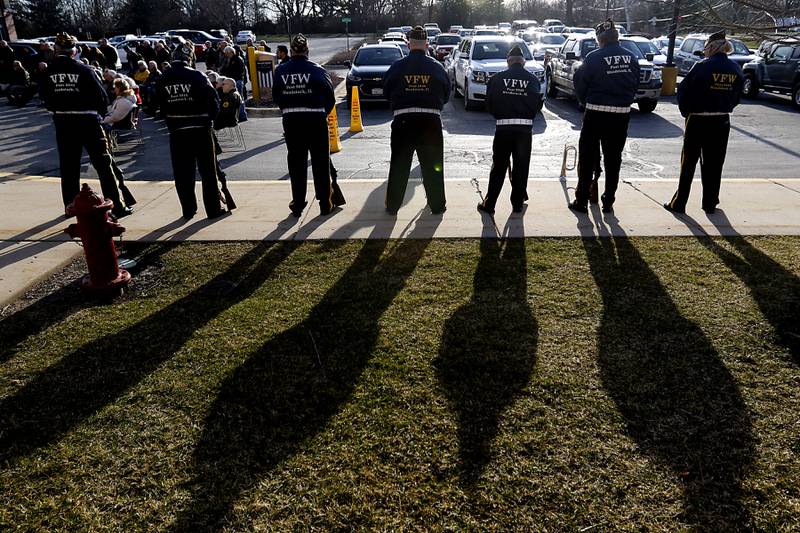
647 47
587 46
631 47
448 39
487 32
377 56
552 39
496 50
433 32
740 48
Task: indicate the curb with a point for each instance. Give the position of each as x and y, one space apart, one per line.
263 112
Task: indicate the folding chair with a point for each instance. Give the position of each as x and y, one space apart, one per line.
130 129
232 139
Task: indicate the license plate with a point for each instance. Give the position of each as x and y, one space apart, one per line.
377 92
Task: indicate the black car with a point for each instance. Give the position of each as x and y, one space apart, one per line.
778 71
26 52
368 69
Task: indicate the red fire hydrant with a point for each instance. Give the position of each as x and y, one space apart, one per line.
97 234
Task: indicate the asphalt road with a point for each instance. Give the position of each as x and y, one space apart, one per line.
763 143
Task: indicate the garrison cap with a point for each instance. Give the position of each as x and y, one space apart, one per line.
299 44
604 26
65 41
515 51
718 36
417 34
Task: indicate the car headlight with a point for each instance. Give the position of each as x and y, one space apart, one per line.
479 76
657 74
351 77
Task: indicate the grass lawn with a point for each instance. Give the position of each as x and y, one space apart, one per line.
540 384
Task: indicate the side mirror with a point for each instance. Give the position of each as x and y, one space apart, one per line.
570 56
650 56
698 53
347 63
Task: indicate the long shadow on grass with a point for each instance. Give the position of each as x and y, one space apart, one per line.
83 382
289 390
680 403
488 352
775 289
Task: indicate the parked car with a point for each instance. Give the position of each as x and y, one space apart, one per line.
122 47
691 51
119 38
466 32
576 29
488 31
432 33
662 43
778 71
368 69
444 44
543 45
455 28
504 27
561 70
650 51
198 37
478 58
243 36
406 29
551 22
396 29
556 29
25 51
222 34
521 26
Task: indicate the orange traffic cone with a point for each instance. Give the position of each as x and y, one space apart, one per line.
355 113
333 132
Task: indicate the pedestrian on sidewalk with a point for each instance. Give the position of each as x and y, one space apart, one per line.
513 97
417 88
706 97
75 96
606 83
189 104
234 68
304 93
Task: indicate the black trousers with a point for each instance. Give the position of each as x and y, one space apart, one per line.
73 134
307 133
705 139
421 133
509 142
608 131
193 150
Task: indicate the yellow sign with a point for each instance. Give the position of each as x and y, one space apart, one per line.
333 132
355 113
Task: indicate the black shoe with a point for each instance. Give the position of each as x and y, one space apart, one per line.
325 211
438 212
215 214
337 197
297 210
674 209
607 208
189 215
710 210
121 212
391 212
518 208
485 209
580 208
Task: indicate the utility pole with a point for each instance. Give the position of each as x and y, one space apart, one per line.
673 32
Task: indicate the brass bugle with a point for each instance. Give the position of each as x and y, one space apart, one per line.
565 167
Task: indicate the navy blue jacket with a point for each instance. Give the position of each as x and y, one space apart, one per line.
302 83
417 80
71 86
714 85
186 97
513 93
608 76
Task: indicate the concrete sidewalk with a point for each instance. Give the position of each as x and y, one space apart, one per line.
32 242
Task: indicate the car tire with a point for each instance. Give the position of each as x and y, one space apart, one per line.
647 106
552 90
469 103
750 86
796 96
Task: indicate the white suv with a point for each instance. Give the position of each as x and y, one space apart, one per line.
479 58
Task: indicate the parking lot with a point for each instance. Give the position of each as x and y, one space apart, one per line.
763 144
